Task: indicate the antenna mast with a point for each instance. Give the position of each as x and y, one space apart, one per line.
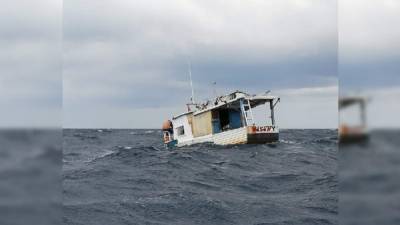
191 82
215 88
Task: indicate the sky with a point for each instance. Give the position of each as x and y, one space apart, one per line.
125 62
369 57
30 63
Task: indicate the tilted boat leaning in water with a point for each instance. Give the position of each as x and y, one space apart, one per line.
227 120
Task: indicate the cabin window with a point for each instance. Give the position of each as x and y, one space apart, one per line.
180 130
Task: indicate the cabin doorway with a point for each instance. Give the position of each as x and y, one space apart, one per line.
226 119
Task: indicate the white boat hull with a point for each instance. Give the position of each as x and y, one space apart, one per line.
243 135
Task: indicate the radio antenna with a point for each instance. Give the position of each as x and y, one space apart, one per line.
191 81
215 88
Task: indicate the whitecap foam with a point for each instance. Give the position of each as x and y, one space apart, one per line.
286 141
103 154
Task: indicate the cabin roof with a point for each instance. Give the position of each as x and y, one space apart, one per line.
351 100
182 114
233 99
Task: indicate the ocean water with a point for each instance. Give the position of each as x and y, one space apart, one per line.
369 180
30 177
127 177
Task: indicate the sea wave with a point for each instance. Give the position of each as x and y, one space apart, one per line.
130 177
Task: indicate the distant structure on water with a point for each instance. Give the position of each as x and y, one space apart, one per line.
355 133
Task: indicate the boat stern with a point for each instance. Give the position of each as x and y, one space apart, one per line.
262 134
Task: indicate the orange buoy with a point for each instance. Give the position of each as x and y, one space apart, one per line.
167 125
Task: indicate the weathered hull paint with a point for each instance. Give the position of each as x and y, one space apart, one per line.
262 138
231 137
243 135
198 140
171 144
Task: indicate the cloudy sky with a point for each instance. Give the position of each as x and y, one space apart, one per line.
30 63
125 62
369 57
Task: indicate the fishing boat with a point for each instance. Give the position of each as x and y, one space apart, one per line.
227 120
354 133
